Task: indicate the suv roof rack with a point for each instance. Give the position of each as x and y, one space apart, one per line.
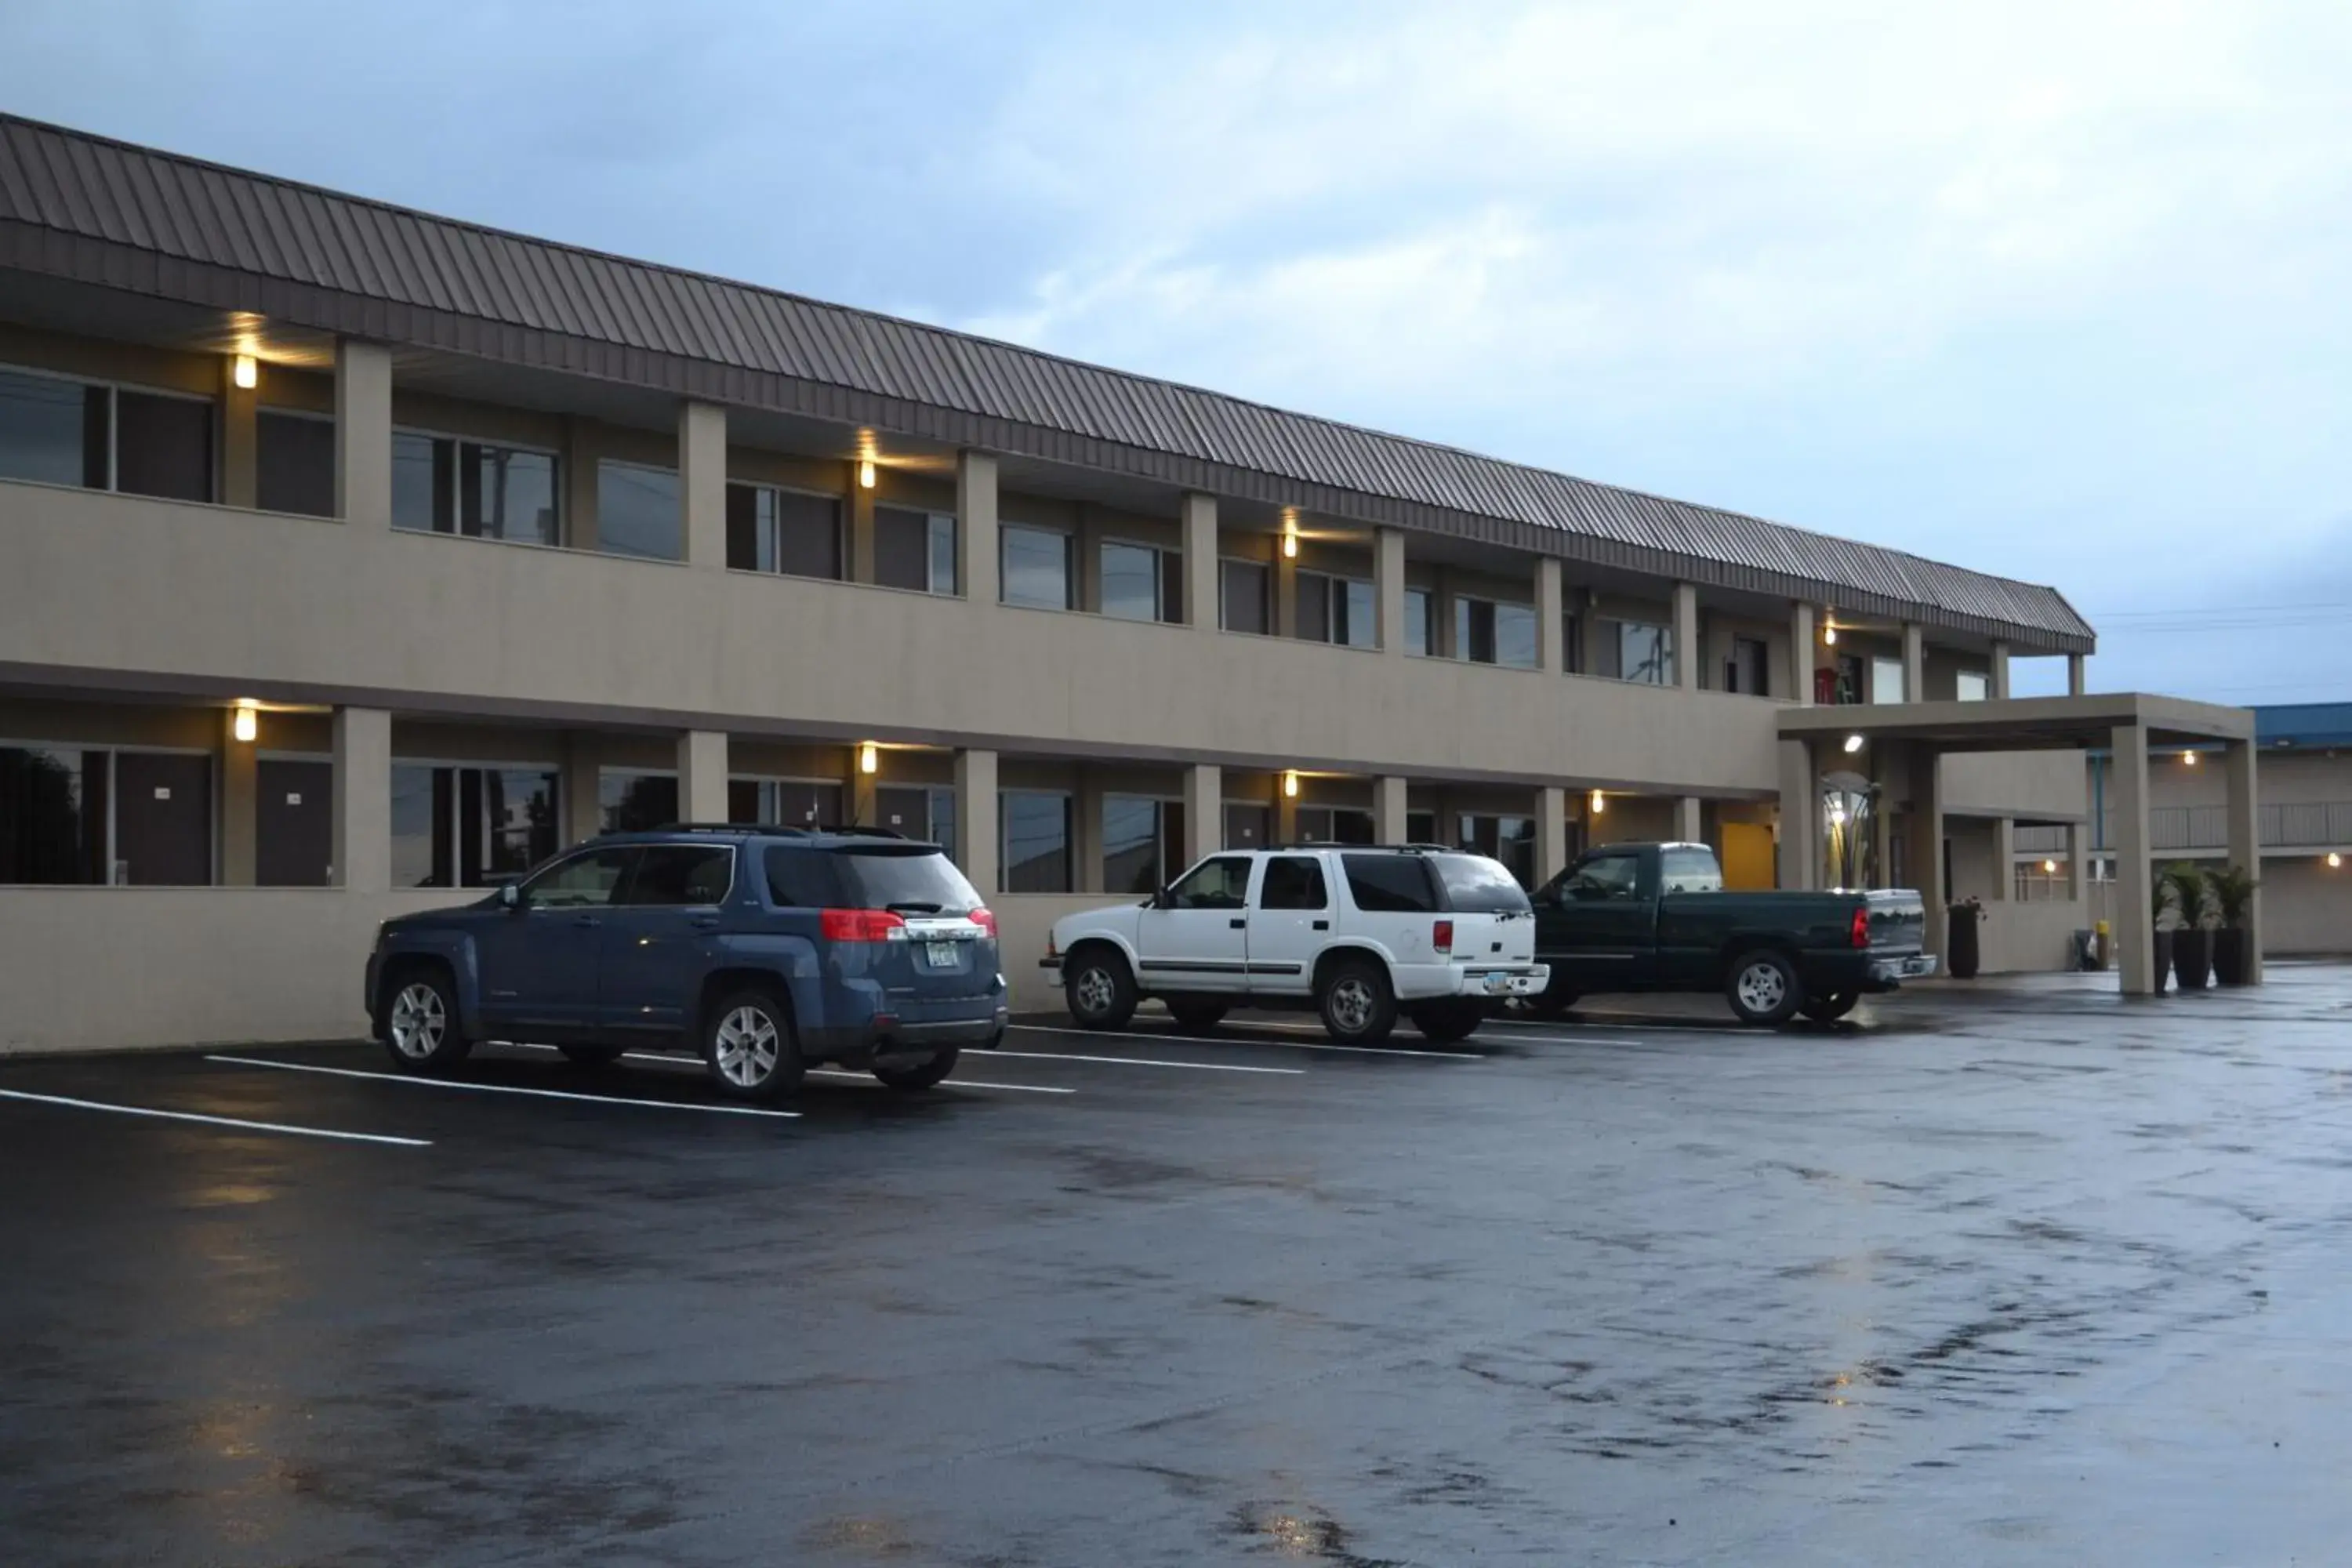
781 829
1361 848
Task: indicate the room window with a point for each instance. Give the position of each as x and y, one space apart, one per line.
1334 825
1486 632
1638 651
639 512
1143 843
1509 840
1571 643
1886 680
788 531
456 826
631 802
1975 686
915 550
135 819
1515 636
784 803
1036 848
1244 604
1035 567
60 431
294 462
1337 610
1744 670
1142 582
443 485
1420 627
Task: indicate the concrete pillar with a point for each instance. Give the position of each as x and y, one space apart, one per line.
1801 636
239 816
2244 811
240 438
702 486
1286 591
364 439
362 799
1925 825
976 834
861 526
1389 810
1387 587
1205 812
1801 816
1199 514
1999 681
1551 635
2135 920
1285 814
1690 820
1914 662
702 775
1687 653
1085 544
2077 675
860 791
976 527
583 803
579 498
1551 833
2004 858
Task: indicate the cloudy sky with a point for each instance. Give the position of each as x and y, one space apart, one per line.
2058 289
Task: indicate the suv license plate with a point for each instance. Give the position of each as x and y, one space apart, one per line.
942 954
1497 983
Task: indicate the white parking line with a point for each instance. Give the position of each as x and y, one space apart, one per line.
1260 1040
504 1088
1140 1062
669 1061
217 1121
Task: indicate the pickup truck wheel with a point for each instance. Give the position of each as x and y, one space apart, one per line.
1358 1006
1447 1022
914 1079
1830 1006
1098 989
591 1056
1197 1014
420 1028
1553 1000
1762 987
748 1045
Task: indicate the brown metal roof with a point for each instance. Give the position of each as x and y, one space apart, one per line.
81 206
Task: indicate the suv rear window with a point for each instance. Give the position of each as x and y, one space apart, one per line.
1477 886
912 878
1388 884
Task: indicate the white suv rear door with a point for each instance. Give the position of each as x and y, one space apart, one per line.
1200 941
1289 921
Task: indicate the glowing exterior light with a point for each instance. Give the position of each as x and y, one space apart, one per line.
2189 759
244 372
2050 867
866 475
869 758
2335 861
1853 744
1829 636
246 725
1600 802
1290 547
1290 785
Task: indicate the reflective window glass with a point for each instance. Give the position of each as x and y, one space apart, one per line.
1221 882
294 463
1130 581
1036 564
637 512
1036 853
44 430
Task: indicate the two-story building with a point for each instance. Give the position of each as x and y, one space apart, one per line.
355 557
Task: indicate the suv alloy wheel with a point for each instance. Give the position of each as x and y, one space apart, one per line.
748 1044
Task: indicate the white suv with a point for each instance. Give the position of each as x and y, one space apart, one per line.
1358 933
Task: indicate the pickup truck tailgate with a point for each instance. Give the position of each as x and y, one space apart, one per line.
1898 921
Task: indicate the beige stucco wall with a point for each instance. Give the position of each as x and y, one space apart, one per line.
2042 786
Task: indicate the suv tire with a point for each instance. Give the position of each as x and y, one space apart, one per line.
1357 1004
591 1056
1449 1021
1761 986
421 1024
1554 999
1098 988
1830 1005
1193 1014
749 1047
914 1079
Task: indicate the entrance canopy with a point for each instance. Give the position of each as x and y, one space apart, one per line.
2026 724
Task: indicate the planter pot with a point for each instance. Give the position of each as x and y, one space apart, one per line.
2229 951
1964 953
2192 959
2162 942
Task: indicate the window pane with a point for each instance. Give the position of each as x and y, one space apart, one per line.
807 534
421 839
902 548
1515 636
519 816
636 803
1358 615
750 528
1389 884
689 874
1221 883
1605 876
422 467
1887 681
1644 654
1293 882
900 875
943 821
1418 637
1130 844
294 464
584 881
506 494
1036 567
637 512
1475 884
1474 630
1243 592
1036 842
942 533
1313 594
41 429
803 879
1975 686
1689 871
1130 581
163 447
1571 645
52 815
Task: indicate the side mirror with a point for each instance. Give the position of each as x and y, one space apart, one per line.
510 897
1160 900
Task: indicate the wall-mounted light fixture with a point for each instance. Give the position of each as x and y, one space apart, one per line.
2188 758
1290 785
2050 867
1598 803
244 372
246 724
2335 861
869 758
1853 744
866 474
1829 627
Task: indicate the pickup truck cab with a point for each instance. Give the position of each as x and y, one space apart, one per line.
763 950
1358 933
1656 917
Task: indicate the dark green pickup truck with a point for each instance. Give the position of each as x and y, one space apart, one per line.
1655 917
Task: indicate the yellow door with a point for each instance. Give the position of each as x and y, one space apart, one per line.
1747 856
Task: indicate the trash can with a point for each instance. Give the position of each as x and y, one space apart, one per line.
2086 950
1965 953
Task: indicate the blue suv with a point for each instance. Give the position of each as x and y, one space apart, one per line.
764 950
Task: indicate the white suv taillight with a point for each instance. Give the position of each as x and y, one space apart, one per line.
1442 938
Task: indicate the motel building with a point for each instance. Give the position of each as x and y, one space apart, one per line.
355 558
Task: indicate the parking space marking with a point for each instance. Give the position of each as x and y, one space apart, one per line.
659 1059
1140 1061
1263 1040
946 1082
217 1121
504 1088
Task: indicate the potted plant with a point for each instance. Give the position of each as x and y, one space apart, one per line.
2159 940
1964 951
2192 937
2234 896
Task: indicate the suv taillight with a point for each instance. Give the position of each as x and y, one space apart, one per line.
1442 938
1861 925
860 925
984 919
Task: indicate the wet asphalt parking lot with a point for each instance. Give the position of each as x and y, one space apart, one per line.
2022 1275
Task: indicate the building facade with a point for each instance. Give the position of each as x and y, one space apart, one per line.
356 558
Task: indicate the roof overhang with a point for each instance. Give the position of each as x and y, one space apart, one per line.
2025 723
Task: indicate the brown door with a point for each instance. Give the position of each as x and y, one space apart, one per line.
293 826
163 819
1248 827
